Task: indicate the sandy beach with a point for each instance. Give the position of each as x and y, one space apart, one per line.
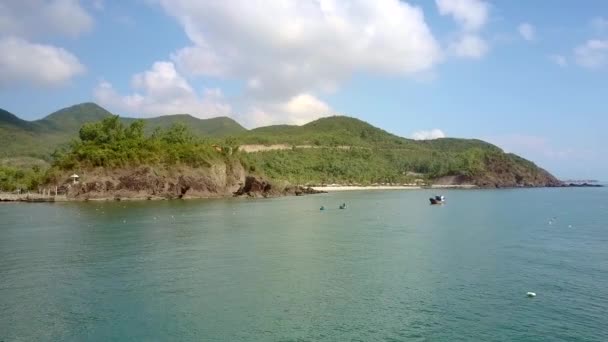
352 188
333 188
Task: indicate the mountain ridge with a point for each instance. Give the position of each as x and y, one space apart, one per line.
21 137
327 150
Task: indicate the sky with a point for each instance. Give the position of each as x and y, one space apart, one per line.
529 76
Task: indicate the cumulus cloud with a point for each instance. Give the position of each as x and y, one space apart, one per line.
160 91
428 135
593 54
27 63
22 62
31 18
527 31
559 60
298 110
286 50
472 16
286 41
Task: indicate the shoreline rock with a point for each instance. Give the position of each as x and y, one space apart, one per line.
583 185
255 187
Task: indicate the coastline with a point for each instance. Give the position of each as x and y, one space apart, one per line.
299 191
334 188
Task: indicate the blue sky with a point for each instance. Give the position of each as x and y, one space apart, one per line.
529 76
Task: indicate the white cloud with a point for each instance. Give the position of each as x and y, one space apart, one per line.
22 62
527 31
298 110
283 50
30 18
559 60
199 60
469 46
593 54
160 91
428 135
470 14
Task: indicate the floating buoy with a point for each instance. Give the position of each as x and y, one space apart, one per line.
531 294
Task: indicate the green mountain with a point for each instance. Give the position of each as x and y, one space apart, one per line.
214 127
347 150
335 149
41 137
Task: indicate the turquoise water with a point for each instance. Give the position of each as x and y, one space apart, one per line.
388 268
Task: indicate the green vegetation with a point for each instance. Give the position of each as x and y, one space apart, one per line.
331 131
214 127
111 144
367 166
41 137
347 150
329 150
12 179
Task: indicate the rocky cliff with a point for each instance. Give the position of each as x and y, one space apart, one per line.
156 182
147 182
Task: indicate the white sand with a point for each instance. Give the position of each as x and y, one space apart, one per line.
333 188
350 188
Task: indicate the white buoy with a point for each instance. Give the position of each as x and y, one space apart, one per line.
531 294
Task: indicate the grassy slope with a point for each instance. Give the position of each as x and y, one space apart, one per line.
214 127
41 137
375 156
378 156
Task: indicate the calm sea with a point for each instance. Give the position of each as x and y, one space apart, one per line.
388 268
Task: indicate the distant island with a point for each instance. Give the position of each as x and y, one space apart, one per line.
179 156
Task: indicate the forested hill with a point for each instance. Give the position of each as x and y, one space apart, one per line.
335 149
41 137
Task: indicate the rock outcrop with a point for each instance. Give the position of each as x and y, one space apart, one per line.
148 182
257 187
501 174
158 182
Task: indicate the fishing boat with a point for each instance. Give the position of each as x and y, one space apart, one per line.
437 200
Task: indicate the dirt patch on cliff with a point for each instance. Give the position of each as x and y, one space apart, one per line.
453 180
219 180
159 182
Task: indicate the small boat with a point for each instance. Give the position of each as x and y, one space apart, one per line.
322 208
531 294
437 200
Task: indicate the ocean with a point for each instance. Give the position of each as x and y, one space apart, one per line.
390 267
